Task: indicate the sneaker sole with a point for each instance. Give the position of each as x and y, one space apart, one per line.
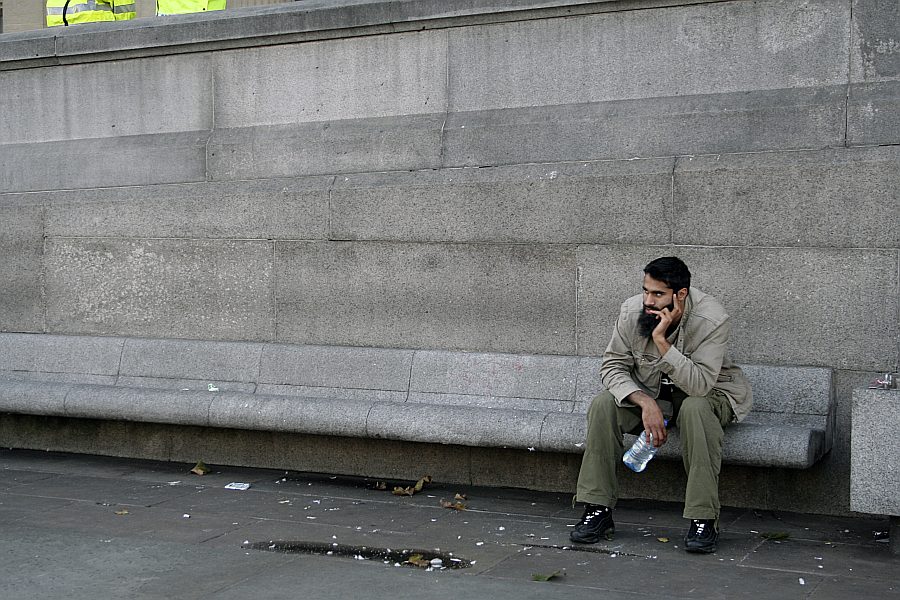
701 550
592 539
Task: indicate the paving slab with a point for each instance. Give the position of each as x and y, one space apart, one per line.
60 535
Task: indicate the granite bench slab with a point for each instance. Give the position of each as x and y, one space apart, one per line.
527 402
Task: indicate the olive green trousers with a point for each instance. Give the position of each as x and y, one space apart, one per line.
700 422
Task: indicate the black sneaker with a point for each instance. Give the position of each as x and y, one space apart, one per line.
596 521
702 537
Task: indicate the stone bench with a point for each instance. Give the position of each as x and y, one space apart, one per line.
430 396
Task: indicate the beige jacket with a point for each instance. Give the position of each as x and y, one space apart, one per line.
696 363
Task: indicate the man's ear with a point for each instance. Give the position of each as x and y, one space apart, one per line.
682 294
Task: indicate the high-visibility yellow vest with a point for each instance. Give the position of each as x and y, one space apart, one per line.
180 7
88 11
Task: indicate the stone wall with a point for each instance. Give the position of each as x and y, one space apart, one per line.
462 175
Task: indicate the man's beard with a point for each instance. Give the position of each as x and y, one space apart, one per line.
647 322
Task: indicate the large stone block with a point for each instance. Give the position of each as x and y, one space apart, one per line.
596 202
20 47
818 307
36 398
21 246
379 144
875 48
873 105
666 126
832 198
122 161
674 51
134 404
43 353
196 289
315 416
458 425
506 375
191 359
106 99
875 453
509 298
336 367
259 209
873 115
333 80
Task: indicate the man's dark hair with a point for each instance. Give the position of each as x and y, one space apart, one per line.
671 270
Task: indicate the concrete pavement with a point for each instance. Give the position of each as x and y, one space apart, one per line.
75 526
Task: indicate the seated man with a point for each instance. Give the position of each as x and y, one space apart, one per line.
666 362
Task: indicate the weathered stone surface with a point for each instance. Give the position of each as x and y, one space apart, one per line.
875 453
21 246
259 209
875 49
35 398
315 148
639 54
32 48
588 384
161 288
596 202
57 377
873 105
462 425
168 383
351 78
501 402
873 115
663 126
191 359
336 367
487 297
135 97
42 353
338 393
832 198
504 375
133 404
280 413
801 390
776 297
139 160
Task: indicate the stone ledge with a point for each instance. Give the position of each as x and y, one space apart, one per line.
799 443
280 24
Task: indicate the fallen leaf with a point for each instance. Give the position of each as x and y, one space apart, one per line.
453 505
459 496
553 575
200 468
413 489
774 535
664 540
418 560
122 512
380 485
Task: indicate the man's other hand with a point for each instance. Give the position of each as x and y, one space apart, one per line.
651 415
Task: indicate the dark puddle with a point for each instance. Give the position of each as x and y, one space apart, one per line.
436 560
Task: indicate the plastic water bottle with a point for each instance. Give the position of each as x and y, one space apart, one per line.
640 453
